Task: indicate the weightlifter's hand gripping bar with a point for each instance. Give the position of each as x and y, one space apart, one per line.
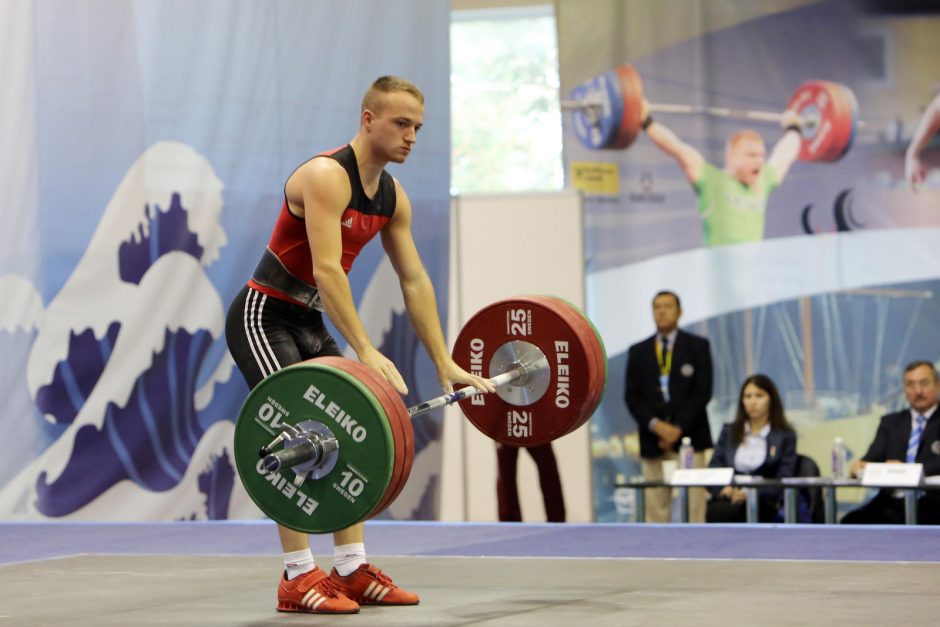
501 379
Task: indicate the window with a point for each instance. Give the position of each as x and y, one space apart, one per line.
505 118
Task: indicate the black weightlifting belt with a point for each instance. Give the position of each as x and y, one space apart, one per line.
272 273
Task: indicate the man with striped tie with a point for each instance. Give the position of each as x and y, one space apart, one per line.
908 436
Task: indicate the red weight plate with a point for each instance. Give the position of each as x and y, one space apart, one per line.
847 119
824 101
398 415
841 122
597 336
597 374
598 343
405 447
564 402
853 107
592 339
631 93
380 389
407 450
402 432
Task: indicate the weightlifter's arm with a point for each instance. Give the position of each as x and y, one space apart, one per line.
689 159
787 148
418 293
929 125
323 187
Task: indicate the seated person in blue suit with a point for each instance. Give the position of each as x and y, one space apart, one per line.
758 442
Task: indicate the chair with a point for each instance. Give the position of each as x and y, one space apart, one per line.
810 507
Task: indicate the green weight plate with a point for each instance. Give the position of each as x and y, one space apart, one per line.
346 494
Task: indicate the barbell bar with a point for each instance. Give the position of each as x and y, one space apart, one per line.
686 109
312 447
519 372
346 438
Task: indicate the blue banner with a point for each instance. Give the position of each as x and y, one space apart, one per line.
144 147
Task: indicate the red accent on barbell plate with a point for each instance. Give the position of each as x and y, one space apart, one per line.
406 455
582 326
598 364
400 423
848 120
834 131
590 340
361 374
631 93
564 403
841 122
399 414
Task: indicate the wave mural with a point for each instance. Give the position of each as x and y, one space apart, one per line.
118 354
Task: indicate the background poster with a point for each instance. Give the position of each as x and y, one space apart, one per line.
841 291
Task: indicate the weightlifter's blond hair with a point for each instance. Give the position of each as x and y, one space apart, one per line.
387 85
738 136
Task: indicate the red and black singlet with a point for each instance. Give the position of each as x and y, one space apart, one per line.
362 219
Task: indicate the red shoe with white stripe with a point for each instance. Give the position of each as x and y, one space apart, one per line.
313 593
368 585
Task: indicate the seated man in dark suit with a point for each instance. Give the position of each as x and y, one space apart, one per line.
912 436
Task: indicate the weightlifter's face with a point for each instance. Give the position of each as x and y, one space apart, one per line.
745 160
394 125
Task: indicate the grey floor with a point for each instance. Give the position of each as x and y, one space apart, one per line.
225 573
212 590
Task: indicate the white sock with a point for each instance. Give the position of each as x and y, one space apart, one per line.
348 557
298 562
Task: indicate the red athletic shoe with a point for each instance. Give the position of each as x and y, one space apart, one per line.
314 593
368 585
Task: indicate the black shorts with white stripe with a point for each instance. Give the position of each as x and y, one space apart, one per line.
265 334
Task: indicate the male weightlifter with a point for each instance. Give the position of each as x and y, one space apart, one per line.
732 202
334 203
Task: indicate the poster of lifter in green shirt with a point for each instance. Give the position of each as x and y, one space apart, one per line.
732 201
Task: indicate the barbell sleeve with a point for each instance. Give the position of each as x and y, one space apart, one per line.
459 395
303 451
309 447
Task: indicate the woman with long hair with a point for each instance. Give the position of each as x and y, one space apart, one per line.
758 442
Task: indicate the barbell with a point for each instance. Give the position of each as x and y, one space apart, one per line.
607 108
327 443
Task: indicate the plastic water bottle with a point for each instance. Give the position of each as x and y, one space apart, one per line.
686 453
624 499
840 459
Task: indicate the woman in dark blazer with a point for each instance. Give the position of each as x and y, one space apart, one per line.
758 442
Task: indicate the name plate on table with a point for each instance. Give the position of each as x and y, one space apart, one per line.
894 475
702 476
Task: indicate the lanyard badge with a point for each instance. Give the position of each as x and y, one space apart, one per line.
664 359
